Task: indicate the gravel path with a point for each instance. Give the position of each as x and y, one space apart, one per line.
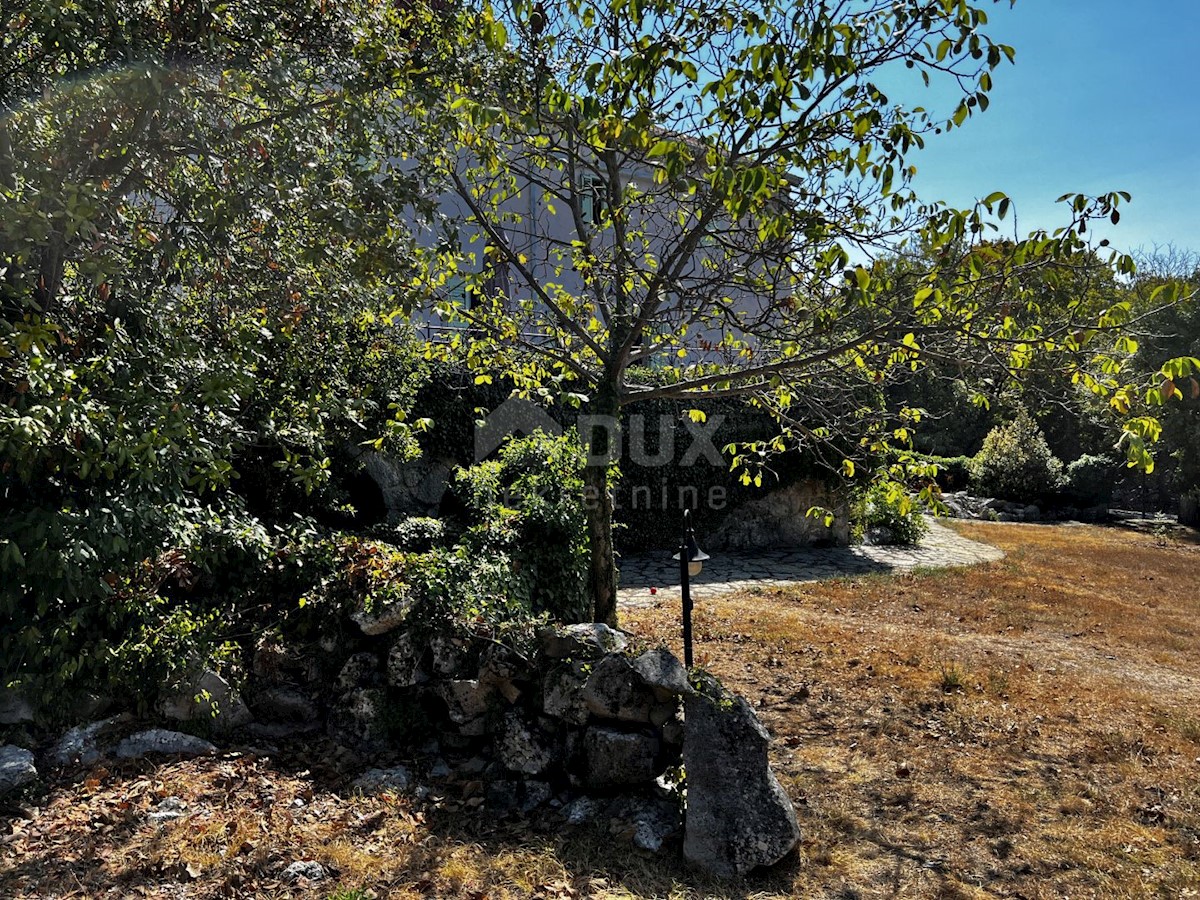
728 572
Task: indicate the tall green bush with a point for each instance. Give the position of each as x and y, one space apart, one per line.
1015 462
888 514
526 511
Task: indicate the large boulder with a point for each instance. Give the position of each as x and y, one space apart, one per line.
738 815
615 691
407 488
16 768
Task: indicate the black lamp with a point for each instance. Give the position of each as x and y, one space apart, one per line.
691 562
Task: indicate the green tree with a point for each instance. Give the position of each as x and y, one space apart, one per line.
733 180
1015 462
200 237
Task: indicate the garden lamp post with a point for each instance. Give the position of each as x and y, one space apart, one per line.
691 562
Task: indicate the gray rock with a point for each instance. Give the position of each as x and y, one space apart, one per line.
535 795
404 663
586 640
385 618
562 692
440 770
15 709
500 663
16 768
162 742
660 670
738 815
308 869
284 704
521 748
614 691
648 822
397 779
80 745
359 671
407 488
169 809
359 720
467 703
449 655
207 696
581 811
1032 513
616 759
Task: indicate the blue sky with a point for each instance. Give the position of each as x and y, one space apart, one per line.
1104 95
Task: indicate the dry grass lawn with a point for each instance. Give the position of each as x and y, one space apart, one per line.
1023 729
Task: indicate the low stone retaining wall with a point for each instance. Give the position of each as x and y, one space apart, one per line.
566 722
580 724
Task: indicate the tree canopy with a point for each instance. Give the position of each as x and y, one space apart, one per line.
202 224
725 189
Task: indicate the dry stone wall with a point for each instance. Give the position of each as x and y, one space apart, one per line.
567 722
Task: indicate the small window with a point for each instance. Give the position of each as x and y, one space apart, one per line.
591 198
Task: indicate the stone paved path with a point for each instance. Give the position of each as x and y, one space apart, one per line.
729 572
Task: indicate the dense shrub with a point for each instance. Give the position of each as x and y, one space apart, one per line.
1015 462
887 513
173 459
415 533
1089 480
526 514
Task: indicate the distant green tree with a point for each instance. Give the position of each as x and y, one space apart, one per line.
1173 331
1015 462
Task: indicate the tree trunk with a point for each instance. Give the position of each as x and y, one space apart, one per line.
599 508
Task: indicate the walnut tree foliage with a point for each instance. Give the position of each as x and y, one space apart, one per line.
202 240
731 184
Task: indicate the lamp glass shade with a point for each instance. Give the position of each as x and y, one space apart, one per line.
696 557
